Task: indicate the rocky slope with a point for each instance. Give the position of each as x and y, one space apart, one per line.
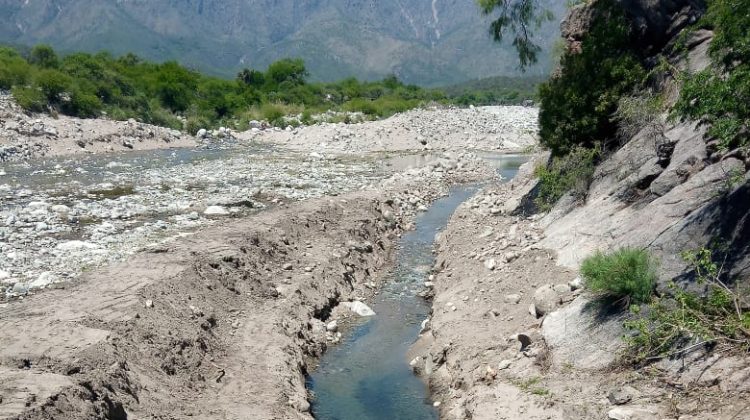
425 42
513 335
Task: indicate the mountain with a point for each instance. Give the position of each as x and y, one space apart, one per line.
428 42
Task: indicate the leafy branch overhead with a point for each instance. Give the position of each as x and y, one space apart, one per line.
517 19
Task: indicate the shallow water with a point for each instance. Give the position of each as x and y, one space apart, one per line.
366 376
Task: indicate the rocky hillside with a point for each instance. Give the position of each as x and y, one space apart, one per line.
424 42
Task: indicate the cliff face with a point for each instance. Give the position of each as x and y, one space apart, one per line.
667 188
425 42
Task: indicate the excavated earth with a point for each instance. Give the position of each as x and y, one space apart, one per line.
223 318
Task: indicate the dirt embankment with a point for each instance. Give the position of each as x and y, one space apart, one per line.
216 325
512 334
24 136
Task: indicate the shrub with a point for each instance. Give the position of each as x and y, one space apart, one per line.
576 106
627 274
569 173
674 324
273 114
720 95
52 83
82 104
29 98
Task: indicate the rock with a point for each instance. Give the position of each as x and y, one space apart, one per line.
623 395
216 211
425 326
632 413
4 275
60 209
577 335
202 133
359 308
562 288
490 264
576 283
525 341
76 246
514 299
288 266
332 326
546 300
44 280
19 289
504 364
149 303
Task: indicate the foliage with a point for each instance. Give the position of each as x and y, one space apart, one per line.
638 112
628 274
44 56
86 85
520 18
686 319
720 95
500 90
569 173
576 105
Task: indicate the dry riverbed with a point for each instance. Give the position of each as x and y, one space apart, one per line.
156 283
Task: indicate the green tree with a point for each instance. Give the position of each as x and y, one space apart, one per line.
175 86
44 56
287 70
517 19
251 77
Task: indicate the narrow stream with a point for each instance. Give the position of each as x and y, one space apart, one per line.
366 376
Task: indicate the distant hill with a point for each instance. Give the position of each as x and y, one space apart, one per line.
427 42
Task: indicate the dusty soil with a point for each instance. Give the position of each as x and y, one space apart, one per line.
216 325
490 353
24 136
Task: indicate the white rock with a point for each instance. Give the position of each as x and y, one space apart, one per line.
44 280
576 283
75 246
514 298
202 133
359 308
490 264
505 364
216 211
332 326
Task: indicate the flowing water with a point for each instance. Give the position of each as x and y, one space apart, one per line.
366 376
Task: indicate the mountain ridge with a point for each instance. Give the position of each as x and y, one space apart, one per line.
432 42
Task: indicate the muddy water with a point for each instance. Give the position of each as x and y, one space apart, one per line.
366 376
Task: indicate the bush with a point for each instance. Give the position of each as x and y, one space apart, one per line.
576 106
83 105
628 274
273 114
52 83
83 84
569 173
720 95
30 99
687 320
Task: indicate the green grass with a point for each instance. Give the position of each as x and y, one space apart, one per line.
628 274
